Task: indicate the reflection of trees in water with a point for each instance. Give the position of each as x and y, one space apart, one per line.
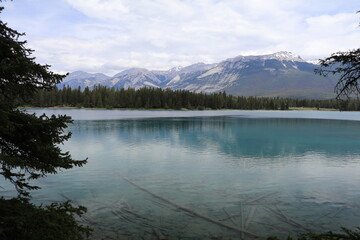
238 137
271 202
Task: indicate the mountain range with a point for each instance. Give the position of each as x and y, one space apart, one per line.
281 74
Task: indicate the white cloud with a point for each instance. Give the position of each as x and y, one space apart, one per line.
330 33
103 35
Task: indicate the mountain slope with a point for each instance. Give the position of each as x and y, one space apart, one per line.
280 74
134 78
83 79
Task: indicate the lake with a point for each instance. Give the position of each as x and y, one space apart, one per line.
211 174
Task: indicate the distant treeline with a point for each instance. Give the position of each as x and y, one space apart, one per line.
157 98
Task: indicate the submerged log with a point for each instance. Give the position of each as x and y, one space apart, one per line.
288 220
332 214
242 219
229 216
250 216
158 234
192 212
292 220
284 229
260 197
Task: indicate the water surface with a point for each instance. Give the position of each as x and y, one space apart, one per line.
276 173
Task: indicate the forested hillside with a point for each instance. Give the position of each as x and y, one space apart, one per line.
157 98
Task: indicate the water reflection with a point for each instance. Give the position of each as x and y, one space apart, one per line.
237 137
267 176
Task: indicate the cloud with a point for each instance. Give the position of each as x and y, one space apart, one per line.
331 33
102 9
333 25
103 35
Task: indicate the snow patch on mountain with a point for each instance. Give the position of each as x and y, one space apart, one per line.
281 56
284 56
239 75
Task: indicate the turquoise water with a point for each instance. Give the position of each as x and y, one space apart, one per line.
275 173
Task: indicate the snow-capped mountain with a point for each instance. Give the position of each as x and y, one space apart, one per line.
280 56
134 78
281 74
278 74
83 79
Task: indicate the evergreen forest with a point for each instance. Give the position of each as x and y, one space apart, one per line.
157 98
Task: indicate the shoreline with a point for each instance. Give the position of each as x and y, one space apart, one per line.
185 109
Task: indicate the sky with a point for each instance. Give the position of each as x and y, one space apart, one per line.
109 36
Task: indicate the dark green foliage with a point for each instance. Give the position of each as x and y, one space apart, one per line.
151 98
157 98
29 147
28 144
22 220
347 66
346 234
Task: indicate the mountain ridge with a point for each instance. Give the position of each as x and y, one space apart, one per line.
282 74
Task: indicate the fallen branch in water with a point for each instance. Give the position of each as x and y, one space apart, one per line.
284 229
260 197
288 220
158 234
185 209
334 214
242 219
292 220
250 216
229 216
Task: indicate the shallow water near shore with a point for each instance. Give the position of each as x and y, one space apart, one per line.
211 174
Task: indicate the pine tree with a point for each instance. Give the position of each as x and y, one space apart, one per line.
29 146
